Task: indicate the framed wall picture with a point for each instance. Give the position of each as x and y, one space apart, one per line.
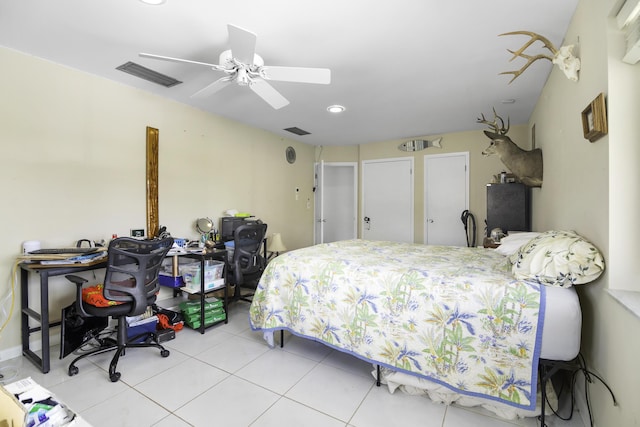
594 119
153 221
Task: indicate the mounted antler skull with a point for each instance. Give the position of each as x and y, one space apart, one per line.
525 165
563 57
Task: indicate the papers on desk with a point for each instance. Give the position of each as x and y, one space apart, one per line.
176 251
78 259
53 260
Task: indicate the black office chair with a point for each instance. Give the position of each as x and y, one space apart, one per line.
131 285
247 264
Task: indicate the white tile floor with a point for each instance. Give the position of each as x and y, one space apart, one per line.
230 377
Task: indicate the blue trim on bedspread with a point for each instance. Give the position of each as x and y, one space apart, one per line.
471 327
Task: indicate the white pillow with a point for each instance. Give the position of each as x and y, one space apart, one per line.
510 244
558 258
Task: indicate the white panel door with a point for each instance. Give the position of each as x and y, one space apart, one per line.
318 205
336 196
387 199
446 196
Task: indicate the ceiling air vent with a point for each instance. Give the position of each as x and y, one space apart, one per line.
297 131
148 74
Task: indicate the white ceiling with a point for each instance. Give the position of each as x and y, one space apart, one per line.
402 68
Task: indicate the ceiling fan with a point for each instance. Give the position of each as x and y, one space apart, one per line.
243 66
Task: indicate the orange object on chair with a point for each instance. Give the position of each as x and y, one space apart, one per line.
93 295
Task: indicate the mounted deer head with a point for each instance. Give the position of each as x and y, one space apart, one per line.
562 57
525 165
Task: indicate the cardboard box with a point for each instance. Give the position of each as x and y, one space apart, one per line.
12 413
34 406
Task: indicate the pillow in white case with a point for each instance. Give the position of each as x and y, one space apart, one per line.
558 258
511 243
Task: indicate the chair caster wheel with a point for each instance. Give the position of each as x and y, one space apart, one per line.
114 377
73 370
164 353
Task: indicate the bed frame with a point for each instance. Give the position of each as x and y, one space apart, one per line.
546 370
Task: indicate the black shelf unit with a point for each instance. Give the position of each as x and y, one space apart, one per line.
508 207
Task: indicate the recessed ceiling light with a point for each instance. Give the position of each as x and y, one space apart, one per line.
508 101
335 109
153 2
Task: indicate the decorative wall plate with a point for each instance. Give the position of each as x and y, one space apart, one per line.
290 154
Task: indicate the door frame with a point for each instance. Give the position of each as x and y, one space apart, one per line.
319 191
425 185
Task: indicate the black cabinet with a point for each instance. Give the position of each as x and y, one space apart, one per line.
508 207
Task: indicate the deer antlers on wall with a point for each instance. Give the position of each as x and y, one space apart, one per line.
497 129
563 57
525 165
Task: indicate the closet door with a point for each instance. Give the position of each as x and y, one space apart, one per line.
387 199
446 196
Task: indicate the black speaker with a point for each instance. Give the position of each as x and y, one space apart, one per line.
508 207
76 330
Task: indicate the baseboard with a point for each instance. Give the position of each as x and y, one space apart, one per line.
10 353
34 345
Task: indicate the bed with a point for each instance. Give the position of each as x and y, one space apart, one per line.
463 325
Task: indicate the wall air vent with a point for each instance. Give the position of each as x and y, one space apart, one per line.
297 131
148 74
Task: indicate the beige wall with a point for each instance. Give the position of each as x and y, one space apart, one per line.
593 188
481 168
73 166
334 153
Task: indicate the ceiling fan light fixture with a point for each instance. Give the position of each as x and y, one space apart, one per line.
242 78
335 109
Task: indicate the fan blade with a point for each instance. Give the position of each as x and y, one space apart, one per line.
168 58
269 94
243 44
297 74
214 87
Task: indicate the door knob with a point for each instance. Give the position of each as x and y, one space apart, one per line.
430 221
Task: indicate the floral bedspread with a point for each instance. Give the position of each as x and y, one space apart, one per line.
453 315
